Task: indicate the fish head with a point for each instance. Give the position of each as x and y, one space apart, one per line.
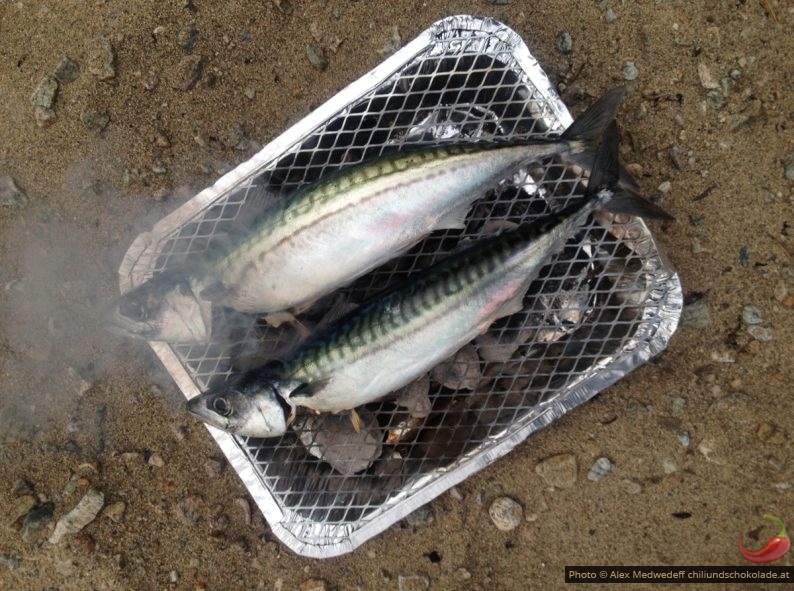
166 307
255 411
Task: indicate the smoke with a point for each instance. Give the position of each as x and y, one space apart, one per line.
60 257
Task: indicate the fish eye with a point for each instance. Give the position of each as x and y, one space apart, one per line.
133 308
222 406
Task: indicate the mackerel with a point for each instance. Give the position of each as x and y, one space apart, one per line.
401 334
330 233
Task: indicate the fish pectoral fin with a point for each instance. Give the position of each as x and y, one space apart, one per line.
215 291
306 390
454 219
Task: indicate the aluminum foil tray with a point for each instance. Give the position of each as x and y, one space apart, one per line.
601 308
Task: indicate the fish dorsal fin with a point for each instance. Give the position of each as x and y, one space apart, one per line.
215 291
258 202
606 170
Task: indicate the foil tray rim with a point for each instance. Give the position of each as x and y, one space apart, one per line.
437 481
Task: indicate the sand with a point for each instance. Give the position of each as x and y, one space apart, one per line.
76 401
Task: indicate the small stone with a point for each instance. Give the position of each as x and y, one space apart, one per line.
393 43
84 543
313 585
455 493
464 574
189 509
422 517
763 334
783 487
76 519
630 71
565 42
9 561
115 511
631 486
102 61
506 513
156 460
44 95
245 509
158 167
10 194
780 292
600 469
161 140
36 521
21 506
66 71
707 81
412 582
213 468
683 438
44 116
188 72
22 487
316 56
770 433
668 466
559 471
150 80
173 577
665 187
96 121
610 16
250 93
186 36
696 314
789 166
706 448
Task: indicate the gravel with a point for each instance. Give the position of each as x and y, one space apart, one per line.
600 469
559 471
316 56
102 60
565 42
76 519
10 194
506 513
66 71
630 71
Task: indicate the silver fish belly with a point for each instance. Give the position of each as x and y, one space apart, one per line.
398 337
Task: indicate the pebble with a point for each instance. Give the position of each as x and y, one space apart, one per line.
189 509
102 61
770 433
9 561
156 460
21 506
707 81
10 194
96 121
158 167
763 334
66 71
76 519
559 471
668 466
173 577
464 574
565 42
245 509
44 95
188 72
665 187
115 511
313 585
186 36
213 468
36 521
600 469
631 486
683 438
630 71
393 43
422 517
249 93
506 513
789 166
752 315
610 16
696 314
316 56
412 582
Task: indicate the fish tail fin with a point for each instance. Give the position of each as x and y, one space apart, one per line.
588 128
605 182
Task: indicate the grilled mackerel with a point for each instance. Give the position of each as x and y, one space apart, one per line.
400 335
330 233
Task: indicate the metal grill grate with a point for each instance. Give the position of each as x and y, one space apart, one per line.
597 310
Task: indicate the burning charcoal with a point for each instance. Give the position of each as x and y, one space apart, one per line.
460 372
333 439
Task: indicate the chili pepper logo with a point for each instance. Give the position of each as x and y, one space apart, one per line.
773 549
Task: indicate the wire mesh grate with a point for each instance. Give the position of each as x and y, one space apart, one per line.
465 80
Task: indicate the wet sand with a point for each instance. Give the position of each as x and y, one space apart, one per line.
700 437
